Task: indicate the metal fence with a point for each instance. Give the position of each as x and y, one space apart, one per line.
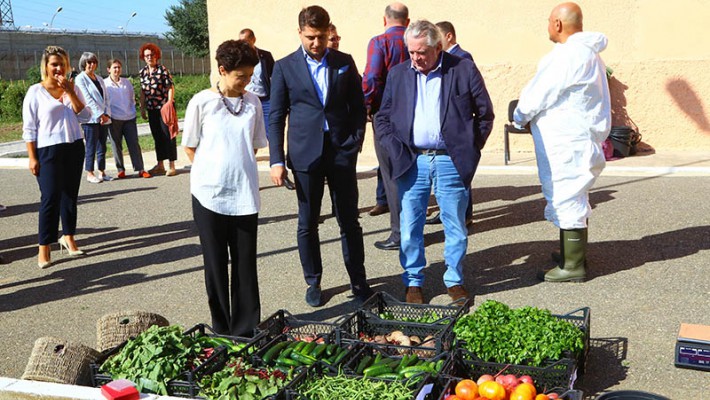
20 51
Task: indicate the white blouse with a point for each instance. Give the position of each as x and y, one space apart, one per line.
123 100
224 176
49 121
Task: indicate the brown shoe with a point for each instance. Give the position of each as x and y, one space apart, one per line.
458 294
379 210
414 295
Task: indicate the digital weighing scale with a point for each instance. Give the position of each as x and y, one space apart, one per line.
692 350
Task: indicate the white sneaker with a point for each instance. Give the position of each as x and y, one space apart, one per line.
93 179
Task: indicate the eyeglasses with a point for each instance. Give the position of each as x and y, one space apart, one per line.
92 62
149 55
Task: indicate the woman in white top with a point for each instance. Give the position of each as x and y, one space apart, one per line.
123 117
96 129
51 112
223 128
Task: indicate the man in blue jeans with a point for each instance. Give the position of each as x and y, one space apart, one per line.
434 131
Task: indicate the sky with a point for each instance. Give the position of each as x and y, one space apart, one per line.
92 15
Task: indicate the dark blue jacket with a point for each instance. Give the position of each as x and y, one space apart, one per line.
458 51
293 94
466 115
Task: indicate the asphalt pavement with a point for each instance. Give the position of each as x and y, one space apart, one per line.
648 261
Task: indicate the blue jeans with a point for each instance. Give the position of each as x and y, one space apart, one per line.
95 136
437 172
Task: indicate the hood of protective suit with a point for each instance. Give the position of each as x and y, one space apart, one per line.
594 40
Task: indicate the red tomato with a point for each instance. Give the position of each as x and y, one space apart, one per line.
484 378
526 379
452 397
467 389
553 396
542 397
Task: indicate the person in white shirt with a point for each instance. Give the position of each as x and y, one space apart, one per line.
568 107
223 129
123 115
96 129
51 112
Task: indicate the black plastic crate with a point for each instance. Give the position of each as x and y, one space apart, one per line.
553 374
186 384
282 322
258 357
424 383
565 394
581 319
352 361
386 307
362 324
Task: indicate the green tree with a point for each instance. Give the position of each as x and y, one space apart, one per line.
188 23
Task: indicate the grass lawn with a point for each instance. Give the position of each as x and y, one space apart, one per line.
12 131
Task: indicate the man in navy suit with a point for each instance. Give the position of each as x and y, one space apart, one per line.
435 118
449 40
319 89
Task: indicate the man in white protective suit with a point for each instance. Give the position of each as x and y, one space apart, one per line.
568 108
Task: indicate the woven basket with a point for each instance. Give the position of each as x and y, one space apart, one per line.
115 328
60 361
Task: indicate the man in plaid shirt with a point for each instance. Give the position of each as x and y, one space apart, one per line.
384 52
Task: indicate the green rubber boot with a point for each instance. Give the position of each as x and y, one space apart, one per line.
573 243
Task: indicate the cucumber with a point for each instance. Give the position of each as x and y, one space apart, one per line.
439 365
340 356
392 363
274 351
331 349
403 363
308 348
303 358
287 362
377 370
319 351
300 346
284 354
391 376
364 363
415 369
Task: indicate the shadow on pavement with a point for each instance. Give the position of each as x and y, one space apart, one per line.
605 365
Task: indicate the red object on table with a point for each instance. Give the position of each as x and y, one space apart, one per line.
122 389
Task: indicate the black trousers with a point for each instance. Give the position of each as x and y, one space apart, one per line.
239 313
60 170
342 184
390 186
165 147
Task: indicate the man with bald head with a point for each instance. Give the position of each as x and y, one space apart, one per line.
384 52
568 108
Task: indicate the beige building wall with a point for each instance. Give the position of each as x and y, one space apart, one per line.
659 51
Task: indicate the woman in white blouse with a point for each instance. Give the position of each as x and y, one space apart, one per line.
224 126
123 117
96 129
51 112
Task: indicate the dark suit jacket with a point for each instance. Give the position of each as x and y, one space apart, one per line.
266 60
458 51
293 94
466 115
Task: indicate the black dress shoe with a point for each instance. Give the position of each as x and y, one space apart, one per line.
379 210
313 296
435 220
388 244
362 294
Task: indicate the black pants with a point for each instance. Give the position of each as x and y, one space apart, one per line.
390 186
165 147
342 183
59 178
239 313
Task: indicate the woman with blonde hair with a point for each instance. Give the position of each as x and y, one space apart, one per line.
51 112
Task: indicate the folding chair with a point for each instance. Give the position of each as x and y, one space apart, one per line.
510 128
